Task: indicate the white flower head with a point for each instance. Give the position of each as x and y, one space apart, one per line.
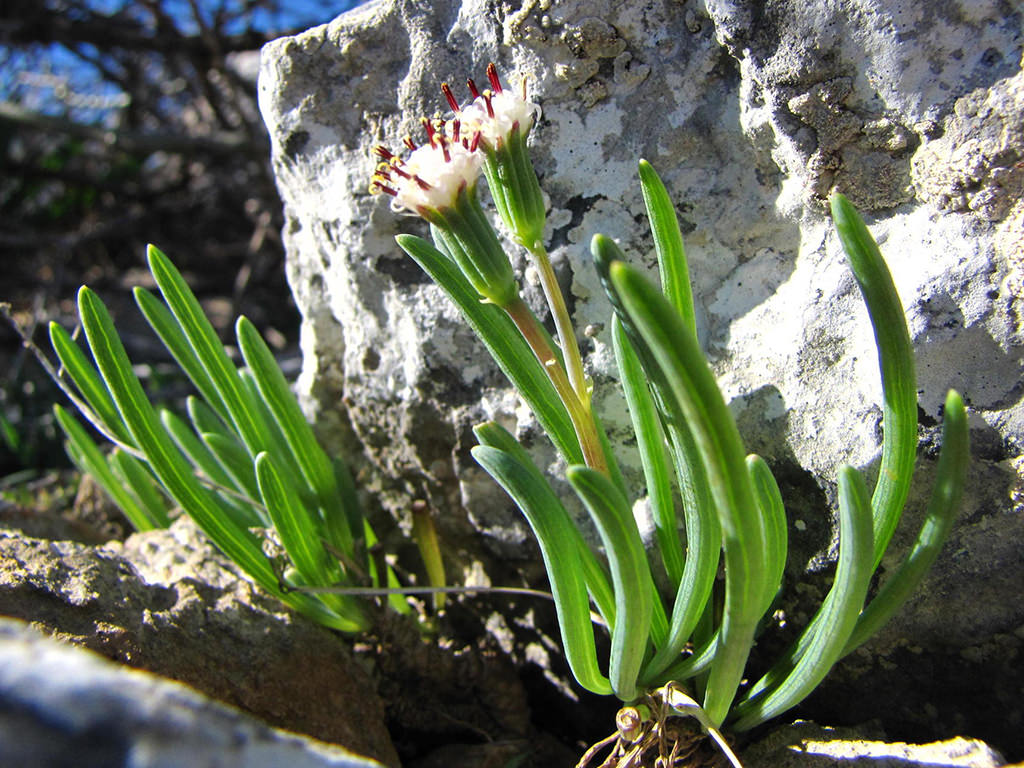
433 174
495 113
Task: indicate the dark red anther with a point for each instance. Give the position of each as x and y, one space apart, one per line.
487 100
447 91
401 172
444 146
475 142
456 126
376 187
409 143
492 75
383 152
473 89
422 184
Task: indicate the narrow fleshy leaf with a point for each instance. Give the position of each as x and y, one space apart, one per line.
313 462
141 484
950 478
168 465
494 435
668 242
696 394
210 352
773 511
235 460
504 342
554 534
166 326
703 531
294 525
424 533
90 459
653 458
896 361
238 504
631 576
831 628
88 382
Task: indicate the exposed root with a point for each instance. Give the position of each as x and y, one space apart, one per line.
659 734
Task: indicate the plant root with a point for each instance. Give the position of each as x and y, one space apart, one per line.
654 735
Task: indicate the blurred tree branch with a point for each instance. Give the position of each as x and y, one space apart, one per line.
221 142
124 122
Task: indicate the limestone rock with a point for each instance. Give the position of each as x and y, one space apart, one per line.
807 745
61 705
752 112
167 602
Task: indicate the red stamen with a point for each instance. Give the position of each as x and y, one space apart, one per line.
376 188
492 75
447 91
382 152
444 147
422 184
456 125
429 128
409 143
487 100
475 143
402 172
472 89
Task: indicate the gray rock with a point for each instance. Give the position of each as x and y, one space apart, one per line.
807 745
62 706
167 602
752 112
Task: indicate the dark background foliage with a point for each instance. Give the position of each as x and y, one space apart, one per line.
121 124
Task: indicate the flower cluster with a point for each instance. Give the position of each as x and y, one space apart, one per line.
431 177
489 134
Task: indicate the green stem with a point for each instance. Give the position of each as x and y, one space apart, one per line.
579 411
563 324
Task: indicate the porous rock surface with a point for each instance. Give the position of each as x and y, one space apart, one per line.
808 745
753 112
167 602
61 705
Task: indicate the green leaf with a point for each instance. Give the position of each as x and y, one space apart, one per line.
167 463
692 387
896 361
703 531
242 511
205 419
141 484
88 458
235 460
504 342
653 458
555 535
167 328
207 347
294 524
835 620
950 478
89 383
494 435
631 576
668 242
773 511
312 461
196 451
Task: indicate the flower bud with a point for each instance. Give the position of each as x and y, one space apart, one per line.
503 119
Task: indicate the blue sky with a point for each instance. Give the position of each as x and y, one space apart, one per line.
32 79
